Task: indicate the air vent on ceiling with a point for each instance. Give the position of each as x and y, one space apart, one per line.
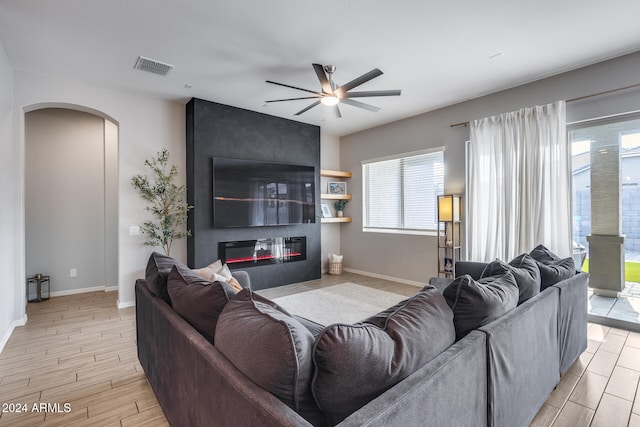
152 66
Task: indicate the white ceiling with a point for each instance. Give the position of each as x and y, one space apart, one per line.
438 53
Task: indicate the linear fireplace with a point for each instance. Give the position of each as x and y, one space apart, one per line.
272 250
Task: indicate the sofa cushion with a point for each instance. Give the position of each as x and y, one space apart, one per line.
524 269
476 303
158 268
356 363
271 348
553 269
197 300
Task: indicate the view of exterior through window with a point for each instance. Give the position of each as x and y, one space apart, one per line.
622 141
400 193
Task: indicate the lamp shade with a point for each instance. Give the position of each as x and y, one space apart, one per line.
449 207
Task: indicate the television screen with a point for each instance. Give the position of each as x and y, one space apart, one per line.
249 193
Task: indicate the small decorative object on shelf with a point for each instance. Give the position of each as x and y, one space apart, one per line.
449 244
326 212
340 204
337 187
336 190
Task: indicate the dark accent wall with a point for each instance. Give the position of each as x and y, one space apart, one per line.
217 130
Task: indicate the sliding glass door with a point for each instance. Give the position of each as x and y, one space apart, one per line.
606 196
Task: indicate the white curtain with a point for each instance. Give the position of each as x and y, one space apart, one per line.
519 184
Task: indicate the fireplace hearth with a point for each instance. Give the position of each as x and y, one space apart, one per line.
272 250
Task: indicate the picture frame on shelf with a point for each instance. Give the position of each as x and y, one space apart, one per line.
326 211
448 265
337 188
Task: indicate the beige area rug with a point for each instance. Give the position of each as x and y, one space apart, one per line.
342 303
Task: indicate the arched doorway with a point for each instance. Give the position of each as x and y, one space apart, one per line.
71 198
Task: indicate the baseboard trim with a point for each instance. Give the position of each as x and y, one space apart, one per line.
84 290
126 304
384 277
7 335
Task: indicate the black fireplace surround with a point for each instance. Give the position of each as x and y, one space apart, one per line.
221 131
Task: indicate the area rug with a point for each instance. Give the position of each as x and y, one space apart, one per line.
343 303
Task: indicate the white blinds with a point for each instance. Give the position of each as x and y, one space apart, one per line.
400 193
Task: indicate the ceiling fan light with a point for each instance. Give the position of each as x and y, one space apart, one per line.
330 100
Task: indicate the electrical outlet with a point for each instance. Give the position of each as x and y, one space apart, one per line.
73 272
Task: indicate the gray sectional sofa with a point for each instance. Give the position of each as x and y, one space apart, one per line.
497 375
529 347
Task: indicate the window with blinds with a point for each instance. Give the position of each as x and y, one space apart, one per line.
400 193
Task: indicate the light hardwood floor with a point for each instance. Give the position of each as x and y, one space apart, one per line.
81 350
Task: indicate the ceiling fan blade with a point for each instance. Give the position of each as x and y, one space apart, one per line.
307 108
293 99
359 104
293 87
362 94
322 76
336 111
342 90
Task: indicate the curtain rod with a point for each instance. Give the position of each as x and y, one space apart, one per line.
465 124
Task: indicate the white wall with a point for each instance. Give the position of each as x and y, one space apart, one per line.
329 159
11 290
145 125
111 202
414 258
65 198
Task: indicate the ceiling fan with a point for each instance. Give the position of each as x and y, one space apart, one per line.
332 95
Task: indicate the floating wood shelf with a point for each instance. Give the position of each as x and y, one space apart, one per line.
338 175
335 174
336 219
336 196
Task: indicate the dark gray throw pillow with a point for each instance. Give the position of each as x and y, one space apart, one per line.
197 300
524 269
356 363
157 272
476 303
552 273
553 269
271 348
543 254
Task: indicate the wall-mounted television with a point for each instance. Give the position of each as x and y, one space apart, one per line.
248 193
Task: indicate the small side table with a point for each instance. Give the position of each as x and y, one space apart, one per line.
39 280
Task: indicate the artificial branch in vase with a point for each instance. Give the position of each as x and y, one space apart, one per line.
339 205
166 202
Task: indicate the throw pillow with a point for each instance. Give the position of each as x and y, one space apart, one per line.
225 275
553 269
356 363
271 348
524 269
476 303
543 254
158 268
197 300
208 271
219 272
